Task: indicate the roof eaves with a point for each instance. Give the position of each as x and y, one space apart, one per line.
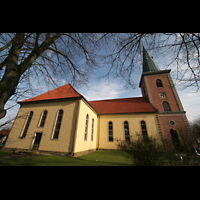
48 100
129 113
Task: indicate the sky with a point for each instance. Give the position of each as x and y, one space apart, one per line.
98 89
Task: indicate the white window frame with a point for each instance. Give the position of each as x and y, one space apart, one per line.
128 130
55 125
41 116
92 131
86 127
109 130
25 125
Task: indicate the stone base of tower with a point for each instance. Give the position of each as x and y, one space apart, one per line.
176 122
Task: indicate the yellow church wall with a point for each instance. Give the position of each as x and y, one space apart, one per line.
73 125
80 143
134 121
67 129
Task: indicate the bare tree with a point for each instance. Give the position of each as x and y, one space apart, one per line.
24 57
124 54
195 127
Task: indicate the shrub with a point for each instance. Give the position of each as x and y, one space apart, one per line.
179 151
143 151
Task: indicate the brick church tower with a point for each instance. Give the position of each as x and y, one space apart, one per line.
157 86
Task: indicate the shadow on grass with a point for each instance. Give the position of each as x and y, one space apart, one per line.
100 163
51 160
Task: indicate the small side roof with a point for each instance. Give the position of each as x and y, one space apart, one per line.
65 91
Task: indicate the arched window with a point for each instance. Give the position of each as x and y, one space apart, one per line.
27 123
144 128
126 131
43 118
159 83
92 132
110 131
57 124
166 106
86 127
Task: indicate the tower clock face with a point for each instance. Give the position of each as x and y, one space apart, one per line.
162 95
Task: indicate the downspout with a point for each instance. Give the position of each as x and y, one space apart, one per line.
75 132
98 131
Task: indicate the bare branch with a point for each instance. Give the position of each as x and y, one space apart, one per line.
36 41
188 61
6 46
2 64
72 64
38 51
75 55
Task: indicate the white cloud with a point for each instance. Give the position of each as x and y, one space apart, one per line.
190 101
99 90
189 98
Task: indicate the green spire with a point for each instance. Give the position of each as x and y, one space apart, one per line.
148 63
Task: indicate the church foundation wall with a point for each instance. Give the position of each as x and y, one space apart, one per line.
180 125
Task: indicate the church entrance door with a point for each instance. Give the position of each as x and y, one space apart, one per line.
37 141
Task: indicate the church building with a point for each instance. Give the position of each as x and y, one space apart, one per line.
63 121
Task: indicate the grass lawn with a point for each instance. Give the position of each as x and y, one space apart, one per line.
97 158
4 153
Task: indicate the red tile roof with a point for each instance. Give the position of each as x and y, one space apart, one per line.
65 91
4 132
111 106
127 105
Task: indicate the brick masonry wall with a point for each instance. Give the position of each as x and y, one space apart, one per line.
157 102
180 125
152 93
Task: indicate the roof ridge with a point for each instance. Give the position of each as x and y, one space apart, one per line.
116 99
67 90
123 105
74 89
57 93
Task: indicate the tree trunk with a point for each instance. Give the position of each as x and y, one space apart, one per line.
12 74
